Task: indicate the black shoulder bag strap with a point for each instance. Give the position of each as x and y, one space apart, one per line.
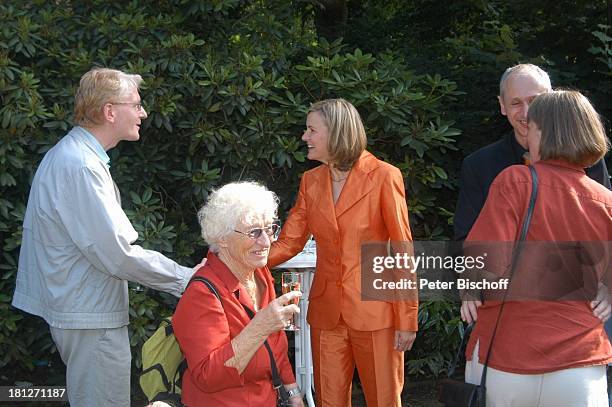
208 283
276 380
461 350
178 378
515 255
468 329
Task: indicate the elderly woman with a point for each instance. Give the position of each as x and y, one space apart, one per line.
546 353
353 198
228 364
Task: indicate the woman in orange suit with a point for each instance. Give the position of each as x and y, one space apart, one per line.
353 198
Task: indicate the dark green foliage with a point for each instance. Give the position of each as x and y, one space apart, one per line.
227 85
602 51
473 41
440 331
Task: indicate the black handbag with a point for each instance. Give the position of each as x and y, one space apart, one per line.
457 393
283 396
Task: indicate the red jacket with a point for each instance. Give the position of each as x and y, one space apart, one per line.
537 337
204 328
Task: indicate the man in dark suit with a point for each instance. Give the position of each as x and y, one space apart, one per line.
518 87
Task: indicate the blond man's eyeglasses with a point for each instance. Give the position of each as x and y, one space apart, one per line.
138 106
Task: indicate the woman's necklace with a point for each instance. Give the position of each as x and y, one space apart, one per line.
339 178
250 287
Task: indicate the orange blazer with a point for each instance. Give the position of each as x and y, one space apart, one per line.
371 208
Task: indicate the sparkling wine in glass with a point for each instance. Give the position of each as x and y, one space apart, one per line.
292 281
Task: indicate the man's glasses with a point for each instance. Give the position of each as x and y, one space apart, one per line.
271 230
138 106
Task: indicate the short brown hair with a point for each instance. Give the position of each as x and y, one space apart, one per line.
98 87
347 137
571 128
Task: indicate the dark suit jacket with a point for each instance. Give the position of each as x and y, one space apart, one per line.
480 168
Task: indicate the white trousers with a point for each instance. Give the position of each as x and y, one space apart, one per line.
577 387
98 363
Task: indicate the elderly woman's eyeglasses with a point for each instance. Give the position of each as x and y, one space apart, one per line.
271 231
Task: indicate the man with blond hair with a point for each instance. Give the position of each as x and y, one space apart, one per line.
77 252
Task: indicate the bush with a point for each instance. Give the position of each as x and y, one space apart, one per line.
227 86
473 41
440 331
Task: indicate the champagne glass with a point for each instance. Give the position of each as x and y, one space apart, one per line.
292 281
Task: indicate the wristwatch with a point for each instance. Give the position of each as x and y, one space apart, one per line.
294 392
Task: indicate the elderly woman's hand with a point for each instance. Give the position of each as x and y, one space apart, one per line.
296 402
275 315
270 319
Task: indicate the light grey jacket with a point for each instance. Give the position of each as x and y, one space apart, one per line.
76 252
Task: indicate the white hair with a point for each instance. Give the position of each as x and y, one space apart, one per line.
234 203
532 69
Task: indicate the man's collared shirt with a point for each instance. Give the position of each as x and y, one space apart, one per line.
95 145
77 251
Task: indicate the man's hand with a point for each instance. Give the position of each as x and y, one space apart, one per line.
195 269
469 311
601 306
199 266
403 340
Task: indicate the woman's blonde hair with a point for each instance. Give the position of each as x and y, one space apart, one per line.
98 87
571 128
347 137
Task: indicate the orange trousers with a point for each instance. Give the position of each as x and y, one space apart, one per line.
336 353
